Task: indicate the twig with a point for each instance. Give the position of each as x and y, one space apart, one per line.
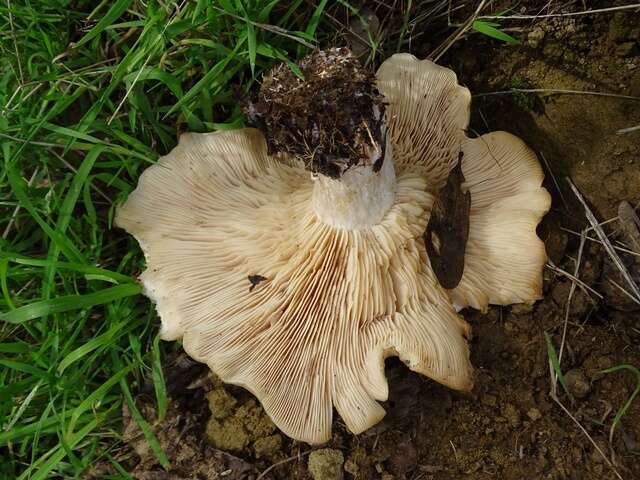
593 442
446 45
286 460
568 305
591 239
580 283
555 182
605 241
615 284
556 15
15 42
557 91
630 223
622 131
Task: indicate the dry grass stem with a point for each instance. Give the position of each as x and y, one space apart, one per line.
572 290
558 15
453 38
281 462
16 210
606 243
596 240
585 288
557 91
593 442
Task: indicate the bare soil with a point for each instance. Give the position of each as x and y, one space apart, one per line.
508 427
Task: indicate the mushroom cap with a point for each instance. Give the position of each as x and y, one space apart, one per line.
428 114
302 313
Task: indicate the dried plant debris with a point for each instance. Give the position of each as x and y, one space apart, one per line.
630 225
255 281
448 229
614 285
332 119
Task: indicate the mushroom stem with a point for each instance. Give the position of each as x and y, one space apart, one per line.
358 199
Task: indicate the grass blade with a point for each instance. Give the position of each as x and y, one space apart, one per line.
490 30
116 10
149 436
158 379
69 302
627 404
555 363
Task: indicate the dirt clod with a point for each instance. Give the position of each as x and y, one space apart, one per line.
510 412
326 464
220 403
577 383
534 414
268 447
240 428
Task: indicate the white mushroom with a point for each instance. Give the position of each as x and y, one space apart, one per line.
298 286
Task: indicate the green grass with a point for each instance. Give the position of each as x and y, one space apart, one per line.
90 94
89 99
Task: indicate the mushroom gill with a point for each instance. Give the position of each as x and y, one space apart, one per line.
297 286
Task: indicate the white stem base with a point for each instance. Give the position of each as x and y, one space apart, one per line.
359 199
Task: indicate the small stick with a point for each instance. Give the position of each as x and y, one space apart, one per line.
281 462
615 284
571 292
575 420
557 91
555 182
438 52
581 284
622 131
591 239
605 242
630 223
556 15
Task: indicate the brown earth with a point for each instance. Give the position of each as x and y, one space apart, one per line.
509 427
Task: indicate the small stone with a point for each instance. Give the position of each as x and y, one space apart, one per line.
326 464
596 456
534 414
577 383
614 297
555 239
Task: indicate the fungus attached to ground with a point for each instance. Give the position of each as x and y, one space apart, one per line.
293 265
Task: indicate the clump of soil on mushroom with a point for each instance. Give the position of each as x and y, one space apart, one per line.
331 129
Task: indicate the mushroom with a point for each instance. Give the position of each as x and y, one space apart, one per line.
298 285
